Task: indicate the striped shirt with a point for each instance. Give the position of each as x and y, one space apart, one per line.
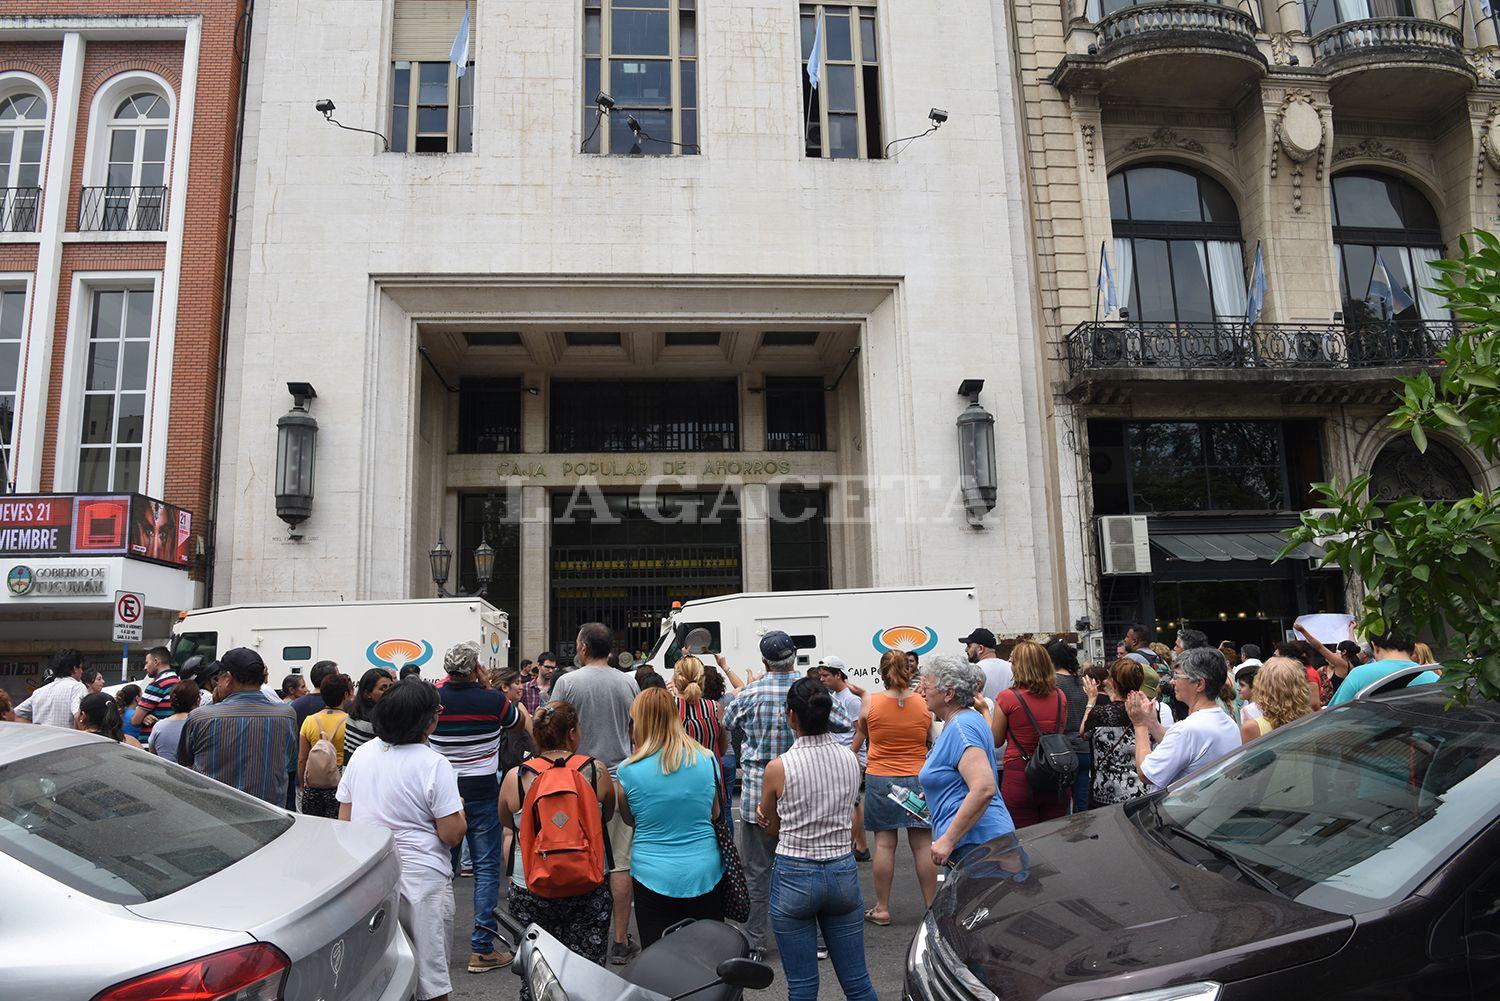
817 806
55 703
157 698
700 718
243 741
468 734
357 732
758 717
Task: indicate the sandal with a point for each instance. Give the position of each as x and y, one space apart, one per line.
870 917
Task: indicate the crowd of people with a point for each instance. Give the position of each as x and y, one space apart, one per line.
592 801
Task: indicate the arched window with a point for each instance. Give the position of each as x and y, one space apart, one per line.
1178 255
1324 14
23 126
1382 226
1435 475
136 172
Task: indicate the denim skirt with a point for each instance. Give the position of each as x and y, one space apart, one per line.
881 814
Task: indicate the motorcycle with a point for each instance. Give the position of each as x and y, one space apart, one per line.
701 960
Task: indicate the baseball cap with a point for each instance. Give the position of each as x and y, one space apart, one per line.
836 665
461 658
981 636
776 645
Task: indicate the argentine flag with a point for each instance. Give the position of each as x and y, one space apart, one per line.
1257 289
1393 298
459 54
815 58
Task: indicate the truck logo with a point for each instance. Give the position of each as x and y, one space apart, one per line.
907 639
398 653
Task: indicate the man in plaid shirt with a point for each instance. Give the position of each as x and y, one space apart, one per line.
757 718
538 691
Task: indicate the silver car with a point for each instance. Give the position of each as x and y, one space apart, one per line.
127 878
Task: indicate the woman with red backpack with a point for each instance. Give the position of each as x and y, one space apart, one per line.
557 803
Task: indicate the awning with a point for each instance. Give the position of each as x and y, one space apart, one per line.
1224 547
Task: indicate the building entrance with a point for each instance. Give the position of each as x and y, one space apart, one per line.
622 559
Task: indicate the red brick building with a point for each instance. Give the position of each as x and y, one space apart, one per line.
117 143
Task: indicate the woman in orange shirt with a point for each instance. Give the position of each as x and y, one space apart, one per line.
897 725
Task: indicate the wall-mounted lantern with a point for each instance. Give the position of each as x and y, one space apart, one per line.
976 454
296 450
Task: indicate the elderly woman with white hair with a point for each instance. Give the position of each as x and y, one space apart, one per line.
959 776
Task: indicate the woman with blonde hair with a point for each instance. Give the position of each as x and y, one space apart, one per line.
1281 694
701 716
671 799
1022 714
1421 653
897 726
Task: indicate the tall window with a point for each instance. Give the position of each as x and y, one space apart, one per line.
23 126
1324 14
432 107
489 416
12 313
1178 257
796 420
841 118
644 54
799 540
135 190
1377 214
114 398
645 415
440 123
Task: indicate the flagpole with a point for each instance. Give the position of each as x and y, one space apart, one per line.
1098 280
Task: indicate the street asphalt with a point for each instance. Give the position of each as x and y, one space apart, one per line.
885 948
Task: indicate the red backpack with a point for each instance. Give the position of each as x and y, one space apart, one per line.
562 830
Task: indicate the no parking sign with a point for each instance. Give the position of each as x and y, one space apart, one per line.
130 616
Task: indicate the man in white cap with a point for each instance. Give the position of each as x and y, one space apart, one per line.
835 676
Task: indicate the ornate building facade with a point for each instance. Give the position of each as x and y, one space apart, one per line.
1343 145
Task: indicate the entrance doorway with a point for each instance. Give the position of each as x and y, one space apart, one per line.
622 559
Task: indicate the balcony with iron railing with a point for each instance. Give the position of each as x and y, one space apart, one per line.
1402 66
1182 51
1355 358
117 209
20 210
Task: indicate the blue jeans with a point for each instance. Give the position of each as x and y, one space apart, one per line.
483 842
1081 784
806 896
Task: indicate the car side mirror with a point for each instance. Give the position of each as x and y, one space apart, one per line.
746 974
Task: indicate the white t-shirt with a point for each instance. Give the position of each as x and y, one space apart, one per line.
404 788
1204 736
997 676
1250 711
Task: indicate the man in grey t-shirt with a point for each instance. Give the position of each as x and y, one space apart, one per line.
602 696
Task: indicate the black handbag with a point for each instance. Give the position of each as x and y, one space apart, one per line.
1053 764
735 894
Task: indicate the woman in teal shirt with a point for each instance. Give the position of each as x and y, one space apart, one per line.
959 776
670 800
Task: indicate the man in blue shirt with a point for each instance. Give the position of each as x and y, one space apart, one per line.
1393 652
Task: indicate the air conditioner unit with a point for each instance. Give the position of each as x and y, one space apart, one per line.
1126 546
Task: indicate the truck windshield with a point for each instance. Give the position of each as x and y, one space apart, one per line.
185 645
1348 811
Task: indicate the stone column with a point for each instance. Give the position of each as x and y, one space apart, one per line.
755 536
536 586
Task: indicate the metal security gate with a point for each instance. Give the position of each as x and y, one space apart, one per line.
625 560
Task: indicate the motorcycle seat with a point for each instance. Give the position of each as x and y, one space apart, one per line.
689 957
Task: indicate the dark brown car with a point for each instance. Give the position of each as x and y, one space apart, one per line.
1352 855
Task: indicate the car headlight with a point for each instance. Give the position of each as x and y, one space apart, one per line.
1203 990
544 985
935 968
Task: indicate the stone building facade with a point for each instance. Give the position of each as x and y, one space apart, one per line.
612 368
117 131
1348 145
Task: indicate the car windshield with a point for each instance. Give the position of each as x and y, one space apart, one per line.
1350 810
119 825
